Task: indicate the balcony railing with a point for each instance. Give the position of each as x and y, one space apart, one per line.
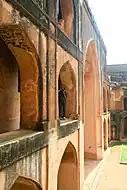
18 144
67 127
34 12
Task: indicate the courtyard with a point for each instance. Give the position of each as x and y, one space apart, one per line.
108 174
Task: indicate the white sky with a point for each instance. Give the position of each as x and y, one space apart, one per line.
111 18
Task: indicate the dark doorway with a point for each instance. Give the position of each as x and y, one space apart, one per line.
125 127
59 83
125 104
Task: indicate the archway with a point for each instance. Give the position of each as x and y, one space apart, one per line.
92 108
9 90
105 135
68 170
23 58
67 81
66 16
23 183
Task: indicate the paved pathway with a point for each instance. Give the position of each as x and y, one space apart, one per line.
113 174
109 174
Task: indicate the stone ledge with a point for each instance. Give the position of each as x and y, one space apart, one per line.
18 144
66 128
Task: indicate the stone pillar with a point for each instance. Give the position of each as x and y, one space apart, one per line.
113 133
51 74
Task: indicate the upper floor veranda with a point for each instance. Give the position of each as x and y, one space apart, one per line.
70 23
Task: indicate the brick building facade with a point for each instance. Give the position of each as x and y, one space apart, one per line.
118 90
60 45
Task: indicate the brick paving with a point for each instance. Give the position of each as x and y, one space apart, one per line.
113 174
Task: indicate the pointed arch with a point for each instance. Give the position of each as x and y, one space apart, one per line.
92 105
25 184
67 80
27 59
68 169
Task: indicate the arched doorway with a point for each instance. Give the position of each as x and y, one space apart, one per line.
105 135
19 76
68 170
67 81
23 183
92 107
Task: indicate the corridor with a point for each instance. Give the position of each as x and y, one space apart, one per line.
111 175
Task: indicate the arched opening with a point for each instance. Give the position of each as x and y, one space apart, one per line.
68 170
105 135
19 80
104 100
67 92
66 17
92 129
23 183
9 90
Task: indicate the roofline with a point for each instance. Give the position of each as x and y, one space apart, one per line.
117 64
93 22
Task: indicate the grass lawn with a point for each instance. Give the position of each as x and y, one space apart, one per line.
123 156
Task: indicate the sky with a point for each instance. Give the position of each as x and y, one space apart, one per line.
111 18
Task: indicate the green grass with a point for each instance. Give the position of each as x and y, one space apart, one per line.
123 159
